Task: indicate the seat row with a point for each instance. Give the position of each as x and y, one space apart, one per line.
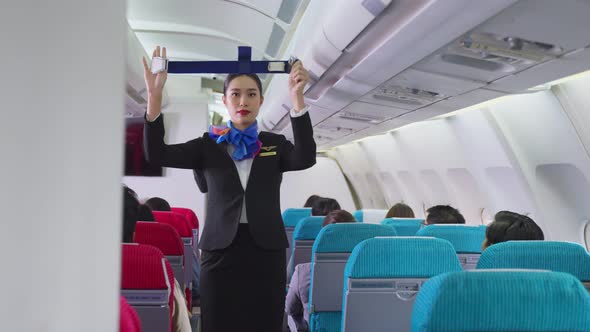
363 278
163 251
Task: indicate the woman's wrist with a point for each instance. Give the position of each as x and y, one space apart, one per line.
298 102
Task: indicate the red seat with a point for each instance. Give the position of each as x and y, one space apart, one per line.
182 226
189 215
165 238
144 272
175 220
128 318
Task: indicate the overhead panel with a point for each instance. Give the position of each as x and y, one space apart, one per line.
276 39
413 89
368 113
186 46
287 10
525 35
241 22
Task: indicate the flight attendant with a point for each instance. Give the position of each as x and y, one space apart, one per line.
243 243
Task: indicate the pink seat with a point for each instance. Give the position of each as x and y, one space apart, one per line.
128 318
175 220
189 215
165 238
147 283
184 229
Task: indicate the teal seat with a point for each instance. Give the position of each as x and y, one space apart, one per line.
306 231
290 219
502 301
565 257
383 276
330 253
466 239
404 226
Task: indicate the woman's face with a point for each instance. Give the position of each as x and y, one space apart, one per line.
242 100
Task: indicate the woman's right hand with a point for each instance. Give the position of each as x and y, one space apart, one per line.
155 82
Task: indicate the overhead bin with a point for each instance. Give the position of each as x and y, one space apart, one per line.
403 34
523 36
329 26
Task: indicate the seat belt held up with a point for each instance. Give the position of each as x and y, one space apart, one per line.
244 65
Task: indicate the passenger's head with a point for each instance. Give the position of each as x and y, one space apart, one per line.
144 213
323 206
510 226
157 204
130 213
242 96
310 201
131 191
337 216
443 214
400 210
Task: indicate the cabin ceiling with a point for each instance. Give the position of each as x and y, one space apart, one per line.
424 67
202 30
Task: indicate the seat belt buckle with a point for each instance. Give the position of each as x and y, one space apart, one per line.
159 65
292 60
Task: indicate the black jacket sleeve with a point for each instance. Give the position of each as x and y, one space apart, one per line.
186 155
301 155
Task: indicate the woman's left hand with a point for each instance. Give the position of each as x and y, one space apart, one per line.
298 78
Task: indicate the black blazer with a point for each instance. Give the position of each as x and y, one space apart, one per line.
212 163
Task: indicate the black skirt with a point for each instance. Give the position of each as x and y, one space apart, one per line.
242 287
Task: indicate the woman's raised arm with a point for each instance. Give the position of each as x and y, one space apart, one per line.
185 155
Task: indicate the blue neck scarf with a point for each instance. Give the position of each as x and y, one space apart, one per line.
246 143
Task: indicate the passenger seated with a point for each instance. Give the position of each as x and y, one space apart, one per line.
443 214
297 304
510 226
158 204
180 315
400 210
311 200
322 206
145 213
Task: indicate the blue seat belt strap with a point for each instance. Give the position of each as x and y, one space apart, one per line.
244 65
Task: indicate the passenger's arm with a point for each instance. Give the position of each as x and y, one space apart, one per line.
293 304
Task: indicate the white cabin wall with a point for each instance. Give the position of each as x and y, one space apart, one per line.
520 153
183 121
62 127
552 158
324 179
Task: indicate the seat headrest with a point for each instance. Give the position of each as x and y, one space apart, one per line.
176 220
189 214
142 267
128 318
465 239
401 257
161 236
547 255
404 226
308 228
502 301
373 216
292 216
344 237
